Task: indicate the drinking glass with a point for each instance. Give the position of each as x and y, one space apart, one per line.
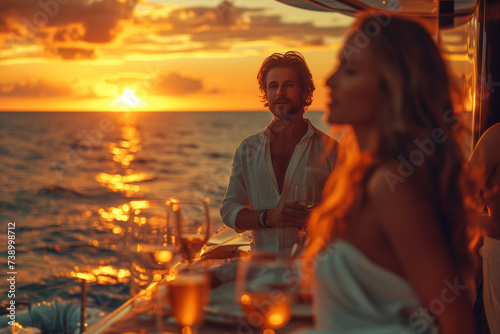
193 225
188 297
148 244
303 195
266 288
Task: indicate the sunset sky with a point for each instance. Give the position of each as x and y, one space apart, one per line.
161 55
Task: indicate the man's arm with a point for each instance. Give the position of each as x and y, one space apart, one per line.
236 198
235 210
289 215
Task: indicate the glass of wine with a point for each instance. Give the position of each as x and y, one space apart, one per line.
266 288
193 226
303 196
148 243
188 297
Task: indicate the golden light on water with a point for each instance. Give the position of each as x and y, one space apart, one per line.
115 213
103 275
85 276
121 183
144 204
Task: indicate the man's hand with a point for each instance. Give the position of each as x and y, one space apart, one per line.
288 215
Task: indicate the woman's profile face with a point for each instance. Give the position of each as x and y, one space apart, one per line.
354 88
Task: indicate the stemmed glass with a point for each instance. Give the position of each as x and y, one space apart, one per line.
150 247
266 288
188 297
303 196
148 243
193 224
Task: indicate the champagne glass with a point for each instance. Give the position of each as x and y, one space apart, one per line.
266 288
193 224
188 297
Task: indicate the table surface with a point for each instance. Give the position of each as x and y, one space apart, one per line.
137 315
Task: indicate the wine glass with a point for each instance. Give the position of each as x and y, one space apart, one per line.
188 297
266 288
193 225
149 245
303 196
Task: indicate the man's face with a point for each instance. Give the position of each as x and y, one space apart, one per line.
284 92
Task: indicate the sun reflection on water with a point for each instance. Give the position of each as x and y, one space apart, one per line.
103 275
123 179
124 151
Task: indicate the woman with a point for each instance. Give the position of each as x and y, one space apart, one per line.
484 166
390 239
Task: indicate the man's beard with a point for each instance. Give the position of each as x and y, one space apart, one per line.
290 110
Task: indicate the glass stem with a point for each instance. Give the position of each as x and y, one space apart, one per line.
158 309
190 329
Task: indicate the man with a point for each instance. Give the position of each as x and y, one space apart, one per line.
267 165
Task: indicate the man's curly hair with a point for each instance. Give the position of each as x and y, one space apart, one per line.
291 59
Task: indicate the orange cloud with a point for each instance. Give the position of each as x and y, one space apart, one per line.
226 27
73 53
176 84
38 88
82 29
154 83
59 23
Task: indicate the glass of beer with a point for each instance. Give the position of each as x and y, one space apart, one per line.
188 297
266 288
193 226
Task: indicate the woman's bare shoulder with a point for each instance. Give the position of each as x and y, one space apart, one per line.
393 177
489 140
397 197
486 155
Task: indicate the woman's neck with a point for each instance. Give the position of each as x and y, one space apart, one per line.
367 137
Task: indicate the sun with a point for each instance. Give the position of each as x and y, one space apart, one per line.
127 100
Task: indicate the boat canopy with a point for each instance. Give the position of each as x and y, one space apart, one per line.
450 12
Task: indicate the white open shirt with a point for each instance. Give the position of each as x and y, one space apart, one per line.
253 184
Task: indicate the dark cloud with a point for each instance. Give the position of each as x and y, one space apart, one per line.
34 89
73 53
225 26
176 84
56 20
153 82
73 27
67 34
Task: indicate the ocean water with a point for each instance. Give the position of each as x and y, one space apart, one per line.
65 178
